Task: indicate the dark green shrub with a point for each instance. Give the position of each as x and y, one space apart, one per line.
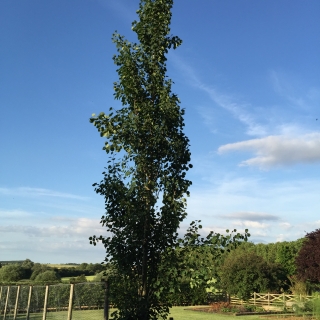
243 273
47 277
78 279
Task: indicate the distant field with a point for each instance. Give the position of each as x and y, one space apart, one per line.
67 279
60 266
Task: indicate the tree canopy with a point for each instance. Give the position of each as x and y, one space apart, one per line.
47 276
11 273
244 272
284 253
308 259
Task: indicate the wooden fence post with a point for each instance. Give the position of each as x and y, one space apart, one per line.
70 301
6 305
106 300
284 301
268 299
44 315
16 304
254 298
29 302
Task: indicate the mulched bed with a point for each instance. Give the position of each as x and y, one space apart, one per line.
289 317
263 314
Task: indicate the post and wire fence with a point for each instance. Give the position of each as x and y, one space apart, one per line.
79 301
88 300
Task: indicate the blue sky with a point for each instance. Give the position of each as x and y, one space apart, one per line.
247 74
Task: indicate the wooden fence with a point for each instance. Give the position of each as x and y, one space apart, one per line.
272 301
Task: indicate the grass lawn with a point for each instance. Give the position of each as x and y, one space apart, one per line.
63 315
178 313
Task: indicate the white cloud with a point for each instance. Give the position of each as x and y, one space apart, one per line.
45 250
286 225
39 192
287 207
251 224
14 214
281 237
251 216
273 151
74 228
260 234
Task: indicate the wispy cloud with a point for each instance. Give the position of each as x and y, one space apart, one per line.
239 110
251 220
274 123
295 92
45 250
71 228
120 8
265 208
14 214
274 151
39 192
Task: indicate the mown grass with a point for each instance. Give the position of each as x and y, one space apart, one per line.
63 315
178 313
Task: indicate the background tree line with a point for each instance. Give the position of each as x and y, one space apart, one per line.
291 267
241 269
29 271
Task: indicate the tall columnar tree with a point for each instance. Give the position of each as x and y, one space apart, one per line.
145 181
